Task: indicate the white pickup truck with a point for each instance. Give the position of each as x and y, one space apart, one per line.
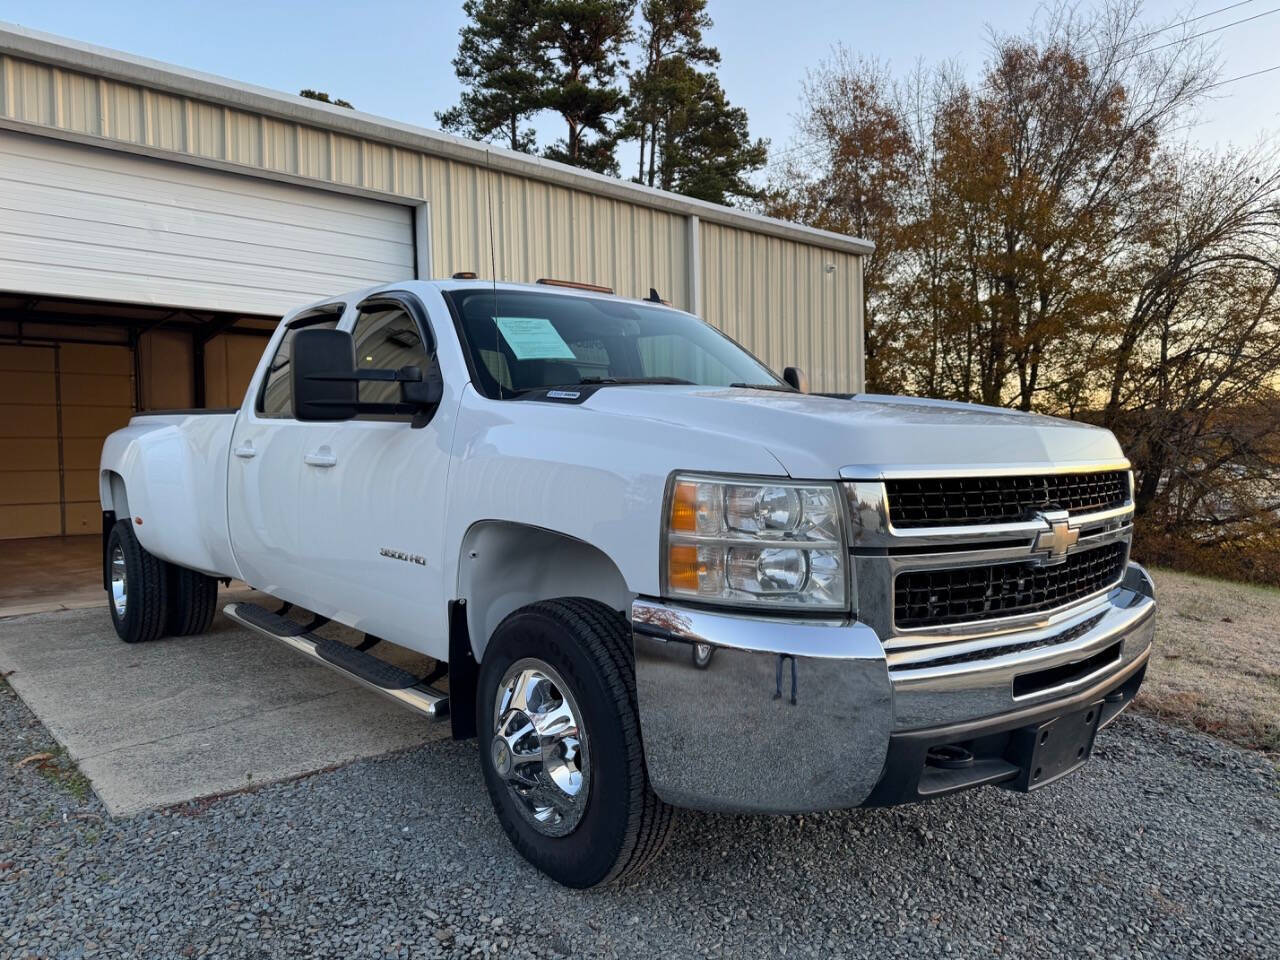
648 572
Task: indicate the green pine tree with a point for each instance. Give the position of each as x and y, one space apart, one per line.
670 33
584 40
691 139
502 65
324 98
704 148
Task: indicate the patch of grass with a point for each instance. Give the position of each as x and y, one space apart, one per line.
1215 666
62 770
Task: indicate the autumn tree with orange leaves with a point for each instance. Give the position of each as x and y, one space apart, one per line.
1046 240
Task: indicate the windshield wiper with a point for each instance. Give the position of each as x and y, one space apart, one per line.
601 382
597 381
778 387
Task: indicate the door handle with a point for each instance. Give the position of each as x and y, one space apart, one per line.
245 451
320 458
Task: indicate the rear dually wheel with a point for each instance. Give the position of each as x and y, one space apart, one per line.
138 590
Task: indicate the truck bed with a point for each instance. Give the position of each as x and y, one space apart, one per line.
173 463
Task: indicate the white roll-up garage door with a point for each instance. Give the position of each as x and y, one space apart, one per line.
78 221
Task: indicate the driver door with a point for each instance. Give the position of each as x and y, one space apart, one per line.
373 493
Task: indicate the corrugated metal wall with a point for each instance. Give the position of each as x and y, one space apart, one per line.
792 304
772 294
544 230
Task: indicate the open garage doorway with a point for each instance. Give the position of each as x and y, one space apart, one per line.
71 372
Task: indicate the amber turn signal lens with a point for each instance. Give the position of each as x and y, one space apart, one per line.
682 568
684 508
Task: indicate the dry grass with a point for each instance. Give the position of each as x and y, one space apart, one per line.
1216 662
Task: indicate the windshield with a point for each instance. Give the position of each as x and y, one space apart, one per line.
520 341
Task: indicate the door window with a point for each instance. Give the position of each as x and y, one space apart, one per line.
387 338
275 400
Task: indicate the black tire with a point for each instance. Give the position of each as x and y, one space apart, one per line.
624 824
146 597
193 600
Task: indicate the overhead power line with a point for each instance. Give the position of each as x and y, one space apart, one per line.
1203 33
1183 23
1243 76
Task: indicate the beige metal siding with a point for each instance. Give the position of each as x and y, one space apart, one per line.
543 230
47 96
780 300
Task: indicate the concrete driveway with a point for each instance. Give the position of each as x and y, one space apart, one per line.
162 723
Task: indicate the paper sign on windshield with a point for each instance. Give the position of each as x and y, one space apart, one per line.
533 338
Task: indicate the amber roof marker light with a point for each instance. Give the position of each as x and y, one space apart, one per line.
575 285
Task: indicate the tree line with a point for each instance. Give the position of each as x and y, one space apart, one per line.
1047 239
615 72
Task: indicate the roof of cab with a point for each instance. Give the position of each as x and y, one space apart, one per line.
447 284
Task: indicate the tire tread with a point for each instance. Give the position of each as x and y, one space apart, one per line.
147 607
193 601
606 637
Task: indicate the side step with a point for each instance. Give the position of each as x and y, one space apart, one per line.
388 679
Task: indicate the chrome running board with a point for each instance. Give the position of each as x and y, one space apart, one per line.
364 668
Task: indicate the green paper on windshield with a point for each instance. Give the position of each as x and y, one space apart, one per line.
533 338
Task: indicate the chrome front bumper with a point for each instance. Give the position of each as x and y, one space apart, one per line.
759 714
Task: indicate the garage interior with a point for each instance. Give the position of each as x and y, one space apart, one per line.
72 371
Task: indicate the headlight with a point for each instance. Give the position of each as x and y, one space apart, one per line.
772 542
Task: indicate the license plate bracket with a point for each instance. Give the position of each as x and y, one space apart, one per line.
1048 751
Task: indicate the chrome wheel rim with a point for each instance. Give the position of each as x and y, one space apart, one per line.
119 582
539 747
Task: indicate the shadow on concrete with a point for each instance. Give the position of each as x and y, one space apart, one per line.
162 723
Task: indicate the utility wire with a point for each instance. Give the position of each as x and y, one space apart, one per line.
1244 76
1202 33
1183 23
809 150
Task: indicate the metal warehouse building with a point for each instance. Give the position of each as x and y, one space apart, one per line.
156 222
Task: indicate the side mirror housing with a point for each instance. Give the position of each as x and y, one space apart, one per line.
326 381
426 391
324 375
796 378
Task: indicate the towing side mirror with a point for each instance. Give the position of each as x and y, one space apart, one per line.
795 376
326 381
324 375
426 391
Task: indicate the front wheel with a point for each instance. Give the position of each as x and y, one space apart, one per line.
560 743
137 594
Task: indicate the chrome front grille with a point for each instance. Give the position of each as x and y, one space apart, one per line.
969 557
951 595
961 501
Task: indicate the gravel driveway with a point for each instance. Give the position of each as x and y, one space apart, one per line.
1168 845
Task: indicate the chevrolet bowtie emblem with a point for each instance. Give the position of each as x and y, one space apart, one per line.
1057 540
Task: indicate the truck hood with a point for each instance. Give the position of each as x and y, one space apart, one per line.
815 437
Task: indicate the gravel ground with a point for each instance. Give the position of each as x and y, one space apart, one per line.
1168 845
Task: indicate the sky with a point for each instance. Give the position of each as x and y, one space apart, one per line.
393 58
